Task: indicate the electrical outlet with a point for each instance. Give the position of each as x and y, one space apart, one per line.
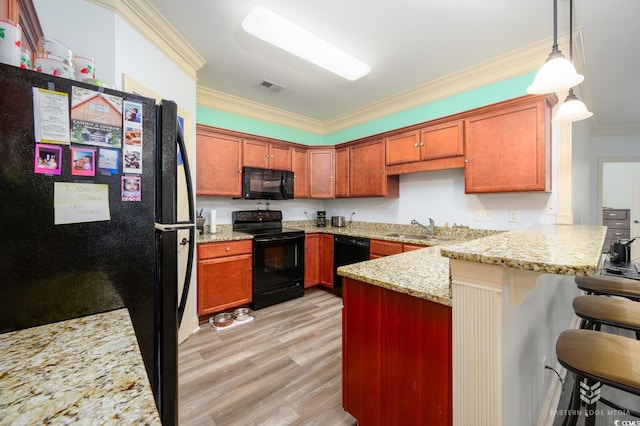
514 216
483 215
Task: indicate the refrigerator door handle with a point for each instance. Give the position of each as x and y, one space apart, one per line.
190 224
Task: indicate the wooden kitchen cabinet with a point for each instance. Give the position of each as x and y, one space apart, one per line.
368 173
343 179
266 155
326 260
218 163
361 171
440 145
321 170
24 13
508 146
396 357
224 275
311 260
300 167
381 248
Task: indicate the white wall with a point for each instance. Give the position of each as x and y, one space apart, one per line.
530 330
438 194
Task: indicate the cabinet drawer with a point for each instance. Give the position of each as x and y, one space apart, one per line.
222 249
615 214
384 248
616 223
616 234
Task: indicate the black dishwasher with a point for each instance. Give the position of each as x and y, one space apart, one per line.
347 250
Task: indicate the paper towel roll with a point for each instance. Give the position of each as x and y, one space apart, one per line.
212 222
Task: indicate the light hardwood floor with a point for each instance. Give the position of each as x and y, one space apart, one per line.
282 368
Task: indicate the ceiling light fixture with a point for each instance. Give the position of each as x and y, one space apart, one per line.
288 36
572 109
557 73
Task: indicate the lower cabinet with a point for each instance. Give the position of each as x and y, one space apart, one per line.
311 260
224 275
396 354
379 248
326 260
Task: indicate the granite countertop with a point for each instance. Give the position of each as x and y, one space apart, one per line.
422 273
82 371
373 230
553 249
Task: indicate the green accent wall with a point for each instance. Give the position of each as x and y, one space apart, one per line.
492 93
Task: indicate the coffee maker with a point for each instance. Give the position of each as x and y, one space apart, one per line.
321 219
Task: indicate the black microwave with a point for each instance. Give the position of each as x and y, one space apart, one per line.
266 184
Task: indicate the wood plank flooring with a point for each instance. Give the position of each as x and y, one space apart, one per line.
282 368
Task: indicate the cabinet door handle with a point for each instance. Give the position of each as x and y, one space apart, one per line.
381 172
415 144
421 143
227 248
466 160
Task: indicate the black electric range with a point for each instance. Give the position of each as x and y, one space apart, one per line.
278 256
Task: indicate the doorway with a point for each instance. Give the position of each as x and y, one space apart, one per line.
620 189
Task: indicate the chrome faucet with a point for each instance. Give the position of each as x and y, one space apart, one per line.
431 229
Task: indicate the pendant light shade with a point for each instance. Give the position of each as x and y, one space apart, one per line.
572 109
557 73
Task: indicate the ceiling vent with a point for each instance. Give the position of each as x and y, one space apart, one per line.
271 85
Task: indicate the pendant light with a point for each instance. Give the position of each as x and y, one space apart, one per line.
557 73
572 109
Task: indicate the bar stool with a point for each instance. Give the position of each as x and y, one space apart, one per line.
595 311
610 286
598 358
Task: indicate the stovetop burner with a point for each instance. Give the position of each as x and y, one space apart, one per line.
261 223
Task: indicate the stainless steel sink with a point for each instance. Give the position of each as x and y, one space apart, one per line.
429 238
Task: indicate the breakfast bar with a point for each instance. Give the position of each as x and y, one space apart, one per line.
508 296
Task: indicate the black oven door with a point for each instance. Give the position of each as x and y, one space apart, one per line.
278 269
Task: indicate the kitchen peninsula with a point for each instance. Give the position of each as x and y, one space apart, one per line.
510 296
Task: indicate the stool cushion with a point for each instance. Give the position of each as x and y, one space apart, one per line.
608 310
609 358
604 284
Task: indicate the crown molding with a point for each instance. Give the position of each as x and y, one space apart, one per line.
510 65
146 19
222 101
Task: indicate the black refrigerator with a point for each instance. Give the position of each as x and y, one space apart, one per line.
56 265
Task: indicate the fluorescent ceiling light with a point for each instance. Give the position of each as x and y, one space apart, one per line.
288 36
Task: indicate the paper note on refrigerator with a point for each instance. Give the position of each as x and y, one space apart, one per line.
80 202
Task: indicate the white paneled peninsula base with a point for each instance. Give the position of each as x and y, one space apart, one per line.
511 296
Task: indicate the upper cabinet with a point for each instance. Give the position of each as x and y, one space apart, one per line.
367 172
218 163
24 13
437 146
508 146
321 170
343 179
267 155
300 167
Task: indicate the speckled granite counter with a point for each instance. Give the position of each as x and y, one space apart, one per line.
82 371
421 273
553 249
